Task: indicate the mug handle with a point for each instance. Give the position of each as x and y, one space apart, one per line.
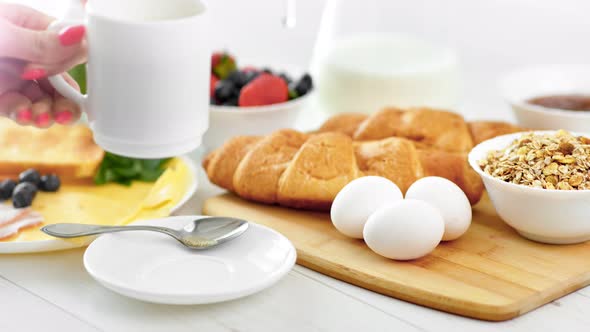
58 82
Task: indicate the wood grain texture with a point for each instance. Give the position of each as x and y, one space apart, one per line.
490 273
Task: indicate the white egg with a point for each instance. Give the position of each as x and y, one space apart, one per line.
358 199
449 199
407 229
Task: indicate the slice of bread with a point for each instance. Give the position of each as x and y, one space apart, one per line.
68 151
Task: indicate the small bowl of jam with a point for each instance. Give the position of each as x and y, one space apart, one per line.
569 102
550 96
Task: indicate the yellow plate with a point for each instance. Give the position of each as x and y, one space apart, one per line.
110 204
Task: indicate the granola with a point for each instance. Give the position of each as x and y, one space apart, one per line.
558 161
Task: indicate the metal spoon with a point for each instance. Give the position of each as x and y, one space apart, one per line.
199 234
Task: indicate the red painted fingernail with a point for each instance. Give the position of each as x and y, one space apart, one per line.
33 74
63 117
72 35
43 120
24 116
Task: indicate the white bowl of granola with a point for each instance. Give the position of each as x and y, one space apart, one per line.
539 183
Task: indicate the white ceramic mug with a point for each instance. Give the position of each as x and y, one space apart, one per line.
147 75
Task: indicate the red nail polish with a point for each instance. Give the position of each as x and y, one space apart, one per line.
33 74
63 117
72 35
24 116
43 120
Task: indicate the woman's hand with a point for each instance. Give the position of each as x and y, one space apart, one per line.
28 55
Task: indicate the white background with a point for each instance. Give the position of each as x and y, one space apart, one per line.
52 292
490 36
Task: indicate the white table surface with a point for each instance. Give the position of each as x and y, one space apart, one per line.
53 292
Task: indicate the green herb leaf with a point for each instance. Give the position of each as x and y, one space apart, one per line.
150 175
293 94
78 73
124 170
154 163
99 178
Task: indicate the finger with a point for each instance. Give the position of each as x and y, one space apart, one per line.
40 47
66 111
16 106
42 116
33 91
12 67
24 16
48 88
10 83
46 70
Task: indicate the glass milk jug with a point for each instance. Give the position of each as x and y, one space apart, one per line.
363 61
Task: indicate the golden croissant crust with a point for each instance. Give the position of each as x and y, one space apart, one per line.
307 170
428 128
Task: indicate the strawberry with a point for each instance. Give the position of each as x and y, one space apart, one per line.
248 69
212 83
222 64
265 89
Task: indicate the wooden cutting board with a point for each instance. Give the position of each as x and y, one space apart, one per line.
490 273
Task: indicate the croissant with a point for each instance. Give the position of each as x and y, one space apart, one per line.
428 128
307 170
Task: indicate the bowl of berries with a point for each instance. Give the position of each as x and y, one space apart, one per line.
253 100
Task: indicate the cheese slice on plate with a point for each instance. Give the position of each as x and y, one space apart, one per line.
110 204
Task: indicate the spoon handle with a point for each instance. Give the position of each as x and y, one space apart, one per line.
65 230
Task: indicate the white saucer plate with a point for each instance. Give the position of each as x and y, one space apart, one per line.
154 267
21 247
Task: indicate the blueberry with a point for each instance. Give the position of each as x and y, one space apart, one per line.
225 90
286 78
233 101
49 182
238 78
6 189
293 90
26 186
23 194
213 101
31 175
251 75
304 85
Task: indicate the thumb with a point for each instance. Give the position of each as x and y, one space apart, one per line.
42 47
